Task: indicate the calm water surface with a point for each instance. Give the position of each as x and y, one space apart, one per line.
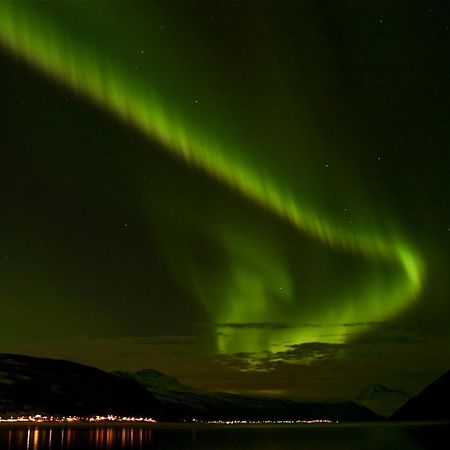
258 437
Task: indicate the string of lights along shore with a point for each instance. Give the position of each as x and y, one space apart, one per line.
236 199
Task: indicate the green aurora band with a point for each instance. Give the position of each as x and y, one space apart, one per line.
44 43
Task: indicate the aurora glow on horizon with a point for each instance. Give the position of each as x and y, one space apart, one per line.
142 101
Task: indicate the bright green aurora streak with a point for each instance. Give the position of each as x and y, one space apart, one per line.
28 32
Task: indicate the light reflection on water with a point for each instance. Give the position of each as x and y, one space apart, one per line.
262 437
65 438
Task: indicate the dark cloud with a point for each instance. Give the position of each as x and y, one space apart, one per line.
255 325
361 324
265 325
307 353
298 354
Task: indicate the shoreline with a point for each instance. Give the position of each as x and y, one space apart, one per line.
34 424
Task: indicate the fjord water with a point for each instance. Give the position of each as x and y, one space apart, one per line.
398 436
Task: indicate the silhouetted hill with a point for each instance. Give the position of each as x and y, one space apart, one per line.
36 385
184 403
433 403
381 400
30 385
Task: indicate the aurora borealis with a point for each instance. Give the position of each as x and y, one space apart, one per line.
238 144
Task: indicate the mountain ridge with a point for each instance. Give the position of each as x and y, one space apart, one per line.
432 403
30 385
184 402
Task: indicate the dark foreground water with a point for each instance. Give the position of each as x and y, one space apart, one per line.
202 437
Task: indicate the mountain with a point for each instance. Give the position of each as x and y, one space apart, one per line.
433 403
156 381
381 400
184 403
31 385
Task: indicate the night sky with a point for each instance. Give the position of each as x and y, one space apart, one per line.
252 197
